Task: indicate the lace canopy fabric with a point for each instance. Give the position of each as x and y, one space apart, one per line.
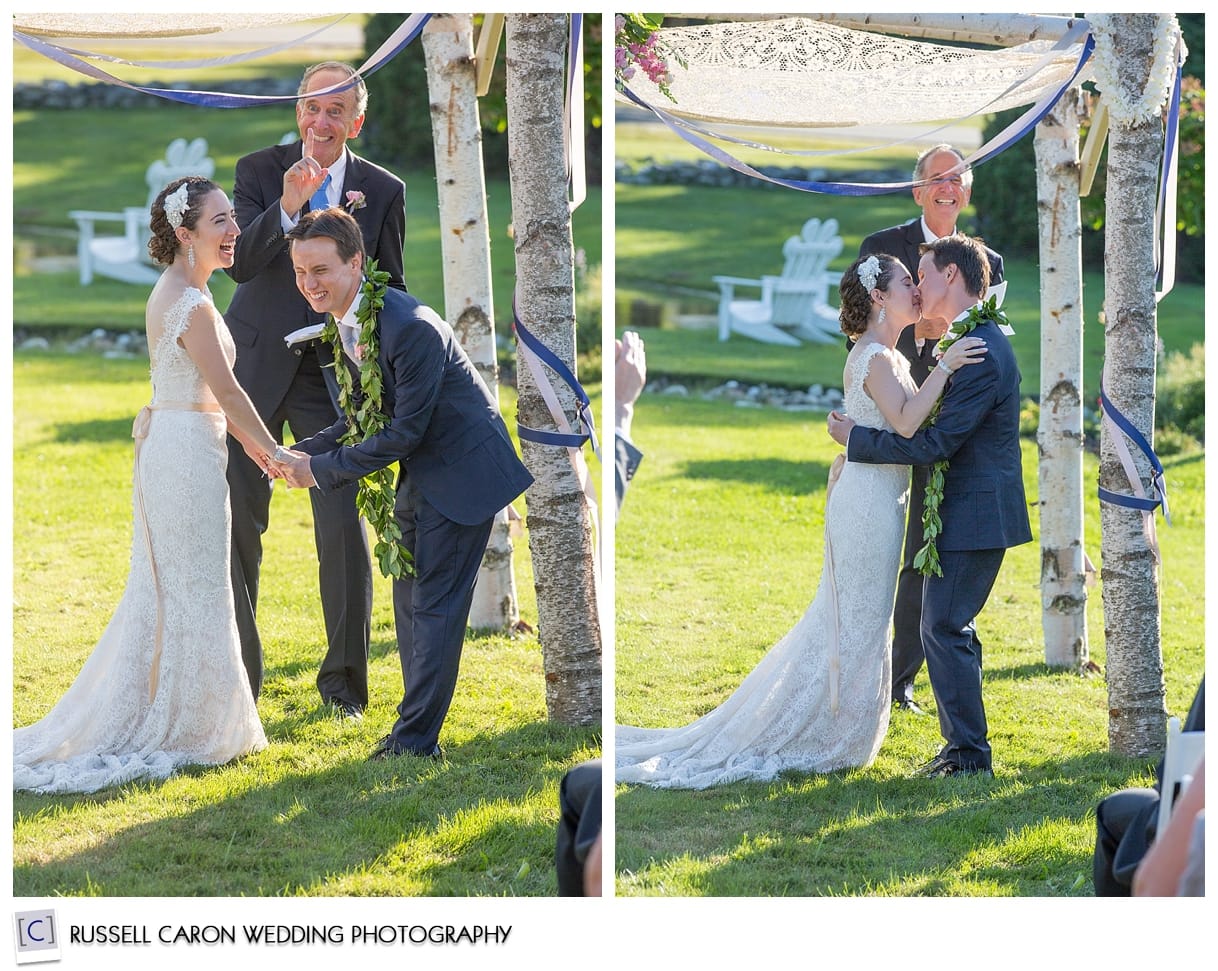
802 73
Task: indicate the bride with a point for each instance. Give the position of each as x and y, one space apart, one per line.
818 700
165 686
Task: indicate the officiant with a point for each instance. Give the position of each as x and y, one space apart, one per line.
294 385
946 190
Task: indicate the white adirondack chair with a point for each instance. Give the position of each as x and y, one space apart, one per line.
794 305
125 257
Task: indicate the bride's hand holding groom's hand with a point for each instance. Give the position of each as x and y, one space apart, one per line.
294 467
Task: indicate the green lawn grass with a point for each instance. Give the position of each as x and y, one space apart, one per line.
719 548
671 240
65 160
307 816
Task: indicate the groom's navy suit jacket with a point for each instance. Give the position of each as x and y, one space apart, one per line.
984 506
266 306
444 425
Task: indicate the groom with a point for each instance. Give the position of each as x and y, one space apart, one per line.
458 465
984 510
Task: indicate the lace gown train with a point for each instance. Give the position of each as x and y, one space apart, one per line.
819 699
165 686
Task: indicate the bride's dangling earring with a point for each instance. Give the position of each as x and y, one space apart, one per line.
879 320
190 258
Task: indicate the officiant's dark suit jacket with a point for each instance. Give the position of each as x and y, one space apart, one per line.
267 306
295 385
459 468
984 512
907 653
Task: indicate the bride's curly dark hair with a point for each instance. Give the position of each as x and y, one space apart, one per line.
163 244
854 299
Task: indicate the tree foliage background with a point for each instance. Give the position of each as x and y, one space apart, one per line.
1005 191
398 131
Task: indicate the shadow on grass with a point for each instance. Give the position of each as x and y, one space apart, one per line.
851 833
96 431
287 671
472 818
799 478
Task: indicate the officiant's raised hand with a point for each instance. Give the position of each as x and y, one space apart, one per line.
302 179
295 467
839 427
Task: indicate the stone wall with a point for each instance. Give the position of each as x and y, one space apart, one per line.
62 96
708 172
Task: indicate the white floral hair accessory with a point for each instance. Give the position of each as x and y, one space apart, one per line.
869 272
176 205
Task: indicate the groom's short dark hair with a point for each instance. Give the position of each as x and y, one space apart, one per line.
335 224
970 257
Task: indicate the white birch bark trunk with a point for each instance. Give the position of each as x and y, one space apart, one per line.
1136 707
1060 435
559 518
448 44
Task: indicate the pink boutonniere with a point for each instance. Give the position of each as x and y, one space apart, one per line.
355 200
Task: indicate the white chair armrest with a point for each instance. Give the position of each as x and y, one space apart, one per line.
738 281
87 215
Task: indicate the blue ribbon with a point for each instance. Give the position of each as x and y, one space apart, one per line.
1008 137
1169 147
552 361
573 109
214 99
1158 480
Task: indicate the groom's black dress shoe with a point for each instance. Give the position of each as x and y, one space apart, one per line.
941 768
344 710
385 750
909 705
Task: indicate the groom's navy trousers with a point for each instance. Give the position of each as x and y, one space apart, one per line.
984 512
458 469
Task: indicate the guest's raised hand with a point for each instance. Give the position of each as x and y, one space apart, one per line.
966 350
302 178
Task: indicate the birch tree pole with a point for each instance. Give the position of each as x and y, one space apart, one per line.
559 518
1133 72
1060 435
465 244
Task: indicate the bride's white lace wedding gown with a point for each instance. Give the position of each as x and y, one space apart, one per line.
819 699
165 686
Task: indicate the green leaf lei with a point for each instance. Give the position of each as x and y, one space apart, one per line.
926 561
376 495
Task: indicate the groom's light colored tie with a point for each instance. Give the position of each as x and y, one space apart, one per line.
349 336
319 200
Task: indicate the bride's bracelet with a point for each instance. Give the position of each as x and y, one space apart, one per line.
942 366
281 454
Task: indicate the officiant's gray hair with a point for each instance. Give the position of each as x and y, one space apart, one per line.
333 223
361 89
919 172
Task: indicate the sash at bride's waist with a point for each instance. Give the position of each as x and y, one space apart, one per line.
139 428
